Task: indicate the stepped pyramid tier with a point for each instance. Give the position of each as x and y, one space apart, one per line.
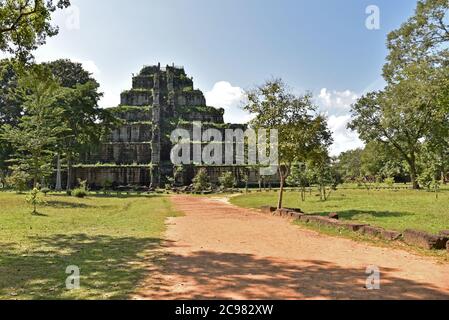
137 153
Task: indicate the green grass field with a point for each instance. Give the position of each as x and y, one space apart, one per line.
109 238
395 210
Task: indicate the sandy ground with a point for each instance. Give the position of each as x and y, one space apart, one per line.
219 251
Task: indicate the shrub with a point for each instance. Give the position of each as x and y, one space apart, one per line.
18 180
79 193
201 181
389 182
227 180
34 199
45 191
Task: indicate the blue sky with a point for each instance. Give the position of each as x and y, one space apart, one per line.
228 46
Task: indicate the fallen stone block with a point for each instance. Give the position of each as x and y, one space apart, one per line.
297 210
268 209
297 216
334 216
323 221
352 226
444 233
371 231
390 235
425 240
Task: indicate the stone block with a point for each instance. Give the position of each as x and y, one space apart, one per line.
295 210
371 231
425 240
334 216
297 216
390 235
322 221
444 233
268 209
352 226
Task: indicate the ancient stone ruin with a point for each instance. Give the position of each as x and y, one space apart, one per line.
138 152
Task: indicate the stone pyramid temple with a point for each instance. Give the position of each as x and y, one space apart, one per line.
138 152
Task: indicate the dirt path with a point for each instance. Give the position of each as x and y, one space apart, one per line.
218 251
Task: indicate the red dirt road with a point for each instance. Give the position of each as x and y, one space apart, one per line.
219 251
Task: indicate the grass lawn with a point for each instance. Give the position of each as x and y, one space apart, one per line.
395 210
109 238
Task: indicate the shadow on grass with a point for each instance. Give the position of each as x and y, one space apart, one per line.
111 267
67 205
215 275
350 214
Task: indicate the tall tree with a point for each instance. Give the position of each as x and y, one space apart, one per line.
11 101
36 135
414 107
88 123
423 37
301 130
26 24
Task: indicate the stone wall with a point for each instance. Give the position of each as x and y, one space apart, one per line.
96 177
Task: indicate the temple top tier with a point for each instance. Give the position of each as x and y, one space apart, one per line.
170 84
171 78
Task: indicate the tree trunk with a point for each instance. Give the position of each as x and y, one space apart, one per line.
69 175
413 177
283 174
58 186
281 192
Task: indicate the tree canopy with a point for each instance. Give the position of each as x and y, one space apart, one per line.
26 24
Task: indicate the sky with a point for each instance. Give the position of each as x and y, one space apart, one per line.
322 46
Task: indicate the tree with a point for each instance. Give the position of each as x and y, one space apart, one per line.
423 37
300 177
11 101
88 123
227 180
36 135
300 130
349 164
201 181
414 107
323 174
34 198
25 24
405 113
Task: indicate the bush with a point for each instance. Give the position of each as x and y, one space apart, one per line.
201 181
18 180
227 180
80 193
34 199
45 191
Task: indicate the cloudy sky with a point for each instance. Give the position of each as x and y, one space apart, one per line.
228 46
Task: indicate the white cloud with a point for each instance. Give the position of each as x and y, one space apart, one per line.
344 138
337 105
224 95
336 101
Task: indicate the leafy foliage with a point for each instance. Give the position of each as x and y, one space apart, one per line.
227 180
201 181
25 24
302 133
